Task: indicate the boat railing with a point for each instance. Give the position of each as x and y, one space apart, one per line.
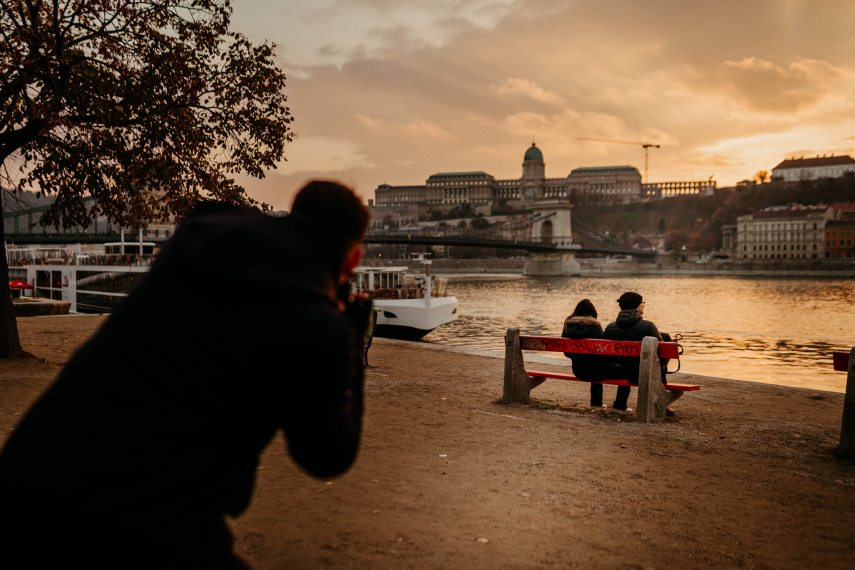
127 259
411 290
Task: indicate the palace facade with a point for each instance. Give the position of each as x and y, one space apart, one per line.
466 194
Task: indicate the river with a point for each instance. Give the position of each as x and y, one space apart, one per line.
775 330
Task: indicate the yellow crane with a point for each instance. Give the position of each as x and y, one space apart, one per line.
644 145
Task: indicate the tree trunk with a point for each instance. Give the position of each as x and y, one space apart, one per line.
10 342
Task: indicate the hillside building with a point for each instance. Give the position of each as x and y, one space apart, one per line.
840 239
796 232
840 233
798 169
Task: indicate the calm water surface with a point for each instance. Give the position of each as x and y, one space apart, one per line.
780 331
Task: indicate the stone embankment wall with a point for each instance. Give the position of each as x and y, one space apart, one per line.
601 266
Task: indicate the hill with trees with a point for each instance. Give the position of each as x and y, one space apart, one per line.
696 221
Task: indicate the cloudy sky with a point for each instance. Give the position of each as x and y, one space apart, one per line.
395 90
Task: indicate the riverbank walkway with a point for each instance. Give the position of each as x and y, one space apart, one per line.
743 477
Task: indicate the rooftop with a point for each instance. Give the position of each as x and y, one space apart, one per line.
533 153
586 169
789 213
815 161
447 175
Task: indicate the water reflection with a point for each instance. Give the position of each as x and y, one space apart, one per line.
770 330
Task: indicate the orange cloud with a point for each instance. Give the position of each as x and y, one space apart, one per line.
762 85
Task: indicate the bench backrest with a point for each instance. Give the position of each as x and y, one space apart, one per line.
604 347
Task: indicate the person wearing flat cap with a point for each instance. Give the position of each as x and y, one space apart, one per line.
629 325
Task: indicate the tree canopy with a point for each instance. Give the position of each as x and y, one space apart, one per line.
134 109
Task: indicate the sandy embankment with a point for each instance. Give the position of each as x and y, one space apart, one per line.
744 476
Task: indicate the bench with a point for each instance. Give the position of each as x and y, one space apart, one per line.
845 362
653 396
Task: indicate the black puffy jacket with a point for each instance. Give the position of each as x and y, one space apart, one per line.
585 366
630 326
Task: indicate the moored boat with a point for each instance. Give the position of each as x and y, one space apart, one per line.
408 305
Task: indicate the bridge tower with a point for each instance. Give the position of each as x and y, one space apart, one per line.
551 223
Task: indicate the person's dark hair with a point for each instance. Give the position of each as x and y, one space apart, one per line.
335 206
584 308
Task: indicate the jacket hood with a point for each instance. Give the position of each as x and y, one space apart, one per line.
627 318
581 321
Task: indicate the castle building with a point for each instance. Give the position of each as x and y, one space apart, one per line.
465 194
661 190
605 184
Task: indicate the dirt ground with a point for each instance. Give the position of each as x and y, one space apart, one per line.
743 477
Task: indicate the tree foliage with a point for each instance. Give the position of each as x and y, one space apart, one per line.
134 109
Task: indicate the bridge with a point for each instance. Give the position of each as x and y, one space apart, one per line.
371 238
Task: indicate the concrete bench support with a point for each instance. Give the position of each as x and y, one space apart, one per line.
653 398
517 384
847 431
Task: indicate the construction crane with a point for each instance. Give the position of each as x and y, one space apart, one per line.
644 145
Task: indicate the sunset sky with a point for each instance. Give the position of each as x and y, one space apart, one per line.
396 90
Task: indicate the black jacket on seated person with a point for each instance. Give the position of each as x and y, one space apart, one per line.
630 326
588 367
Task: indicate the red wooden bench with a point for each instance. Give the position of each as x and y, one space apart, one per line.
653 396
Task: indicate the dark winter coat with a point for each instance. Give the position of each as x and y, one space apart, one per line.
585 366
153 431
630 326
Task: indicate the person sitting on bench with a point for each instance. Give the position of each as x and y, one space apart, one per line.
630 325
583 323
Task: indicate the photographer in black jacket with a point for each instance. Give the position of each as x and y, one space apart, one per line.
152 433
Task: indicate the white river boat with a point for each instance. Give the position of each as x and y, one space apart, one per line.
408 305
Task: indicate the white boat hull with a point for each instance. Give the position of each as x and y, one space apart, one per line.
411 319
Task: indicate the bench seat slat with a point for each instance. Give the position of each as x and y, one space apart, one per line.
570 377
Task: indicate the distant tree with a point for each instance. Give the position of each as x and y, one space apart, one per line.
463 210
676 242
132 110
480 223
761 176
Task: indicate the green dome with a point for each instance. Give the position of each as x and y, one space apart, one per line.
533 153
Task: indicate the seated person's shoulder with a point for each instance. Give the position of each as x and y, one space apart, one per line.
650 329
582 327
612 329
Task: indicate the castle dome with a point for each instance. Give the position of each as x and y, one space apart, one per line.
533 153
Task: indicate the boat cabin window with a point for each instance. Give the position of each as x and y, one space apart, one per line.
130 248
